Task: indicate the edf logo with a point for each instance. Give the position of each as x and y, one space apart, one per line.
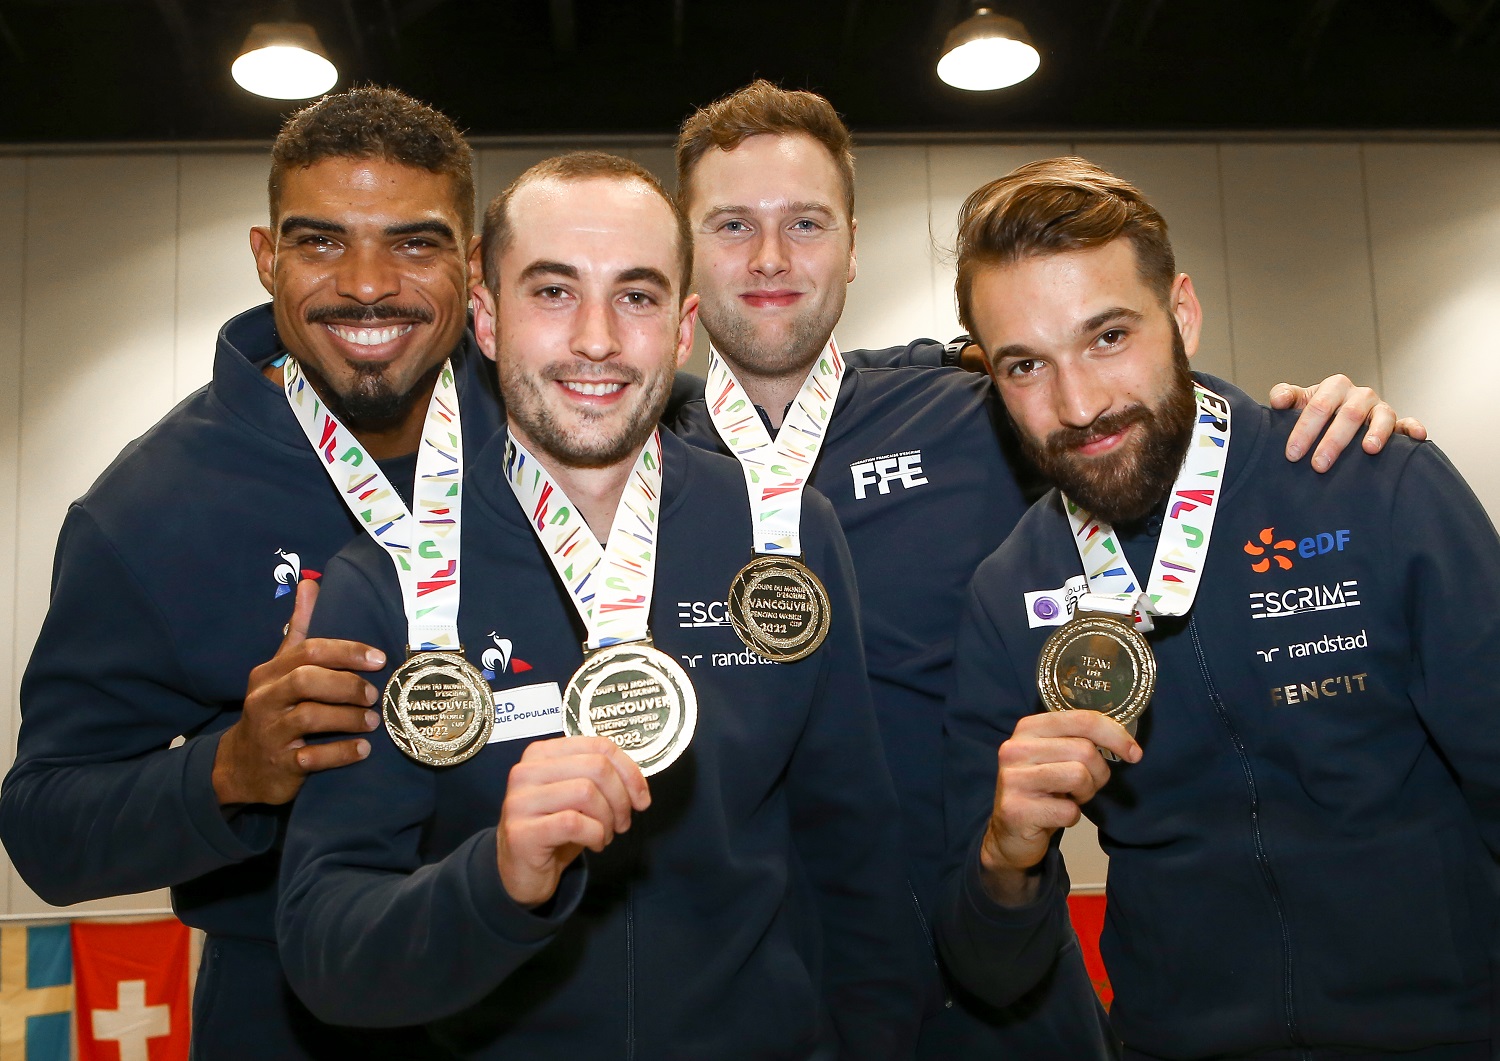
880 472
1314 545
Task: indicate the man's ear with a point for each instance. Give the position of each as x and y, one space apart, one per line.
482 302
685 329
853 265
476 260
263 248
1187 311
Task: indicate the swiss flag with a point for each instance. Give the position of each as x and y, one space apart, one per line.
1087 913
132 991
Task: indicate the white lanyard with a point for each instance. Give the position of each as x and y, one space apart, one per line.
1181 549
776 473
425 550
610 585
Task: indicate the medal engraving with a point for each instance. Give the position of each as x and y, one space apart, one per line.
1097 662
636 696
438 708
779 608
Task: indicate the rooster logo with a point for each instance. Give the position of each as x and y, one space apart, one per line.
290 572
1264 563
497 659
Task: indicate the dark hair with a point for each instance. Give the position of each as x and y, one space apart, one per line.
374 122
761 107
1058 204
578 166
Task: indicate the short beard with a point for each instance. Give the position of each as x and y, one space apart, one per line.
735 338
523 397
371 404
1124 487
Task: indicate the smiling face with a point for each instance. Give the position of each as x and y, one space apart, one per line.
773 251
1093 369
366 266
586 320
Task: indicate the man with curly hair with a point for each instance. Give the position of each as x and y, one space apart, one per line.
186 576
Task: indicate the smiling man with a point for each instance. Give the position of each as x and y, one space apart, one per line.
1302 825
543 897
919 463
173 610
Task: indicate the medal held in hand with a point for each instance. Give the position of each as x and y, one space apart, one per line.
636 696
779 608
626 690
1097 662
437 708
776 604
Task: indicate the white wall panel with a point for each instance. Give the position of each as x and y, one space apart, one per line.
891 299
1182 182
97 357
12 301
953 172
1299 264
221 196
1435 230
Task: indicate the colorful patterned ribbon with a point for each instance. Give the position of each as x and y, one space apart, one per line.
1182 548
610 585
425 550
776 473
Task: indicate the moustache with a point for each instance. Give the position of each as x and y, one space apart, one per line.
1065 439
344 313
589 373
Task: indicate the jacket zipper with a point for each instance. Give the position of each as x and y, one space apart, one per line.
931 946
630 973
1260 851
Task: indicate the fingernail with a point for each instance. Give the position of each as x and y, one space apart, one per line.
1320 463
362 748
371 720
1294 452
1135 753
375 658
301 761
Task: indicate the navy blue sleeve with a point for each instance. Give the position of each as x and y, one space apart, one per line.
998 952
369 936
919 353
97 803
1450 581
845 825
686 387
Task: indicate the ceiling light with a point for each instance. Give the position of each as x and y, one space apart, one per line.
284 60
987 51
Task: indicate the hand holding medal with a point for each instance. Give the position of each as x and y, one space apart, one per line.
626 690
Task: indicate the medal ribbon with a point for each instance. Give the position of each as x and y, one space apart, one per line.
1181 549
425 549
610 585
776 473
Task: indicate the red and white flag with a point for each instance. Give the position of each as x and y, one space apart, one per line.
132 991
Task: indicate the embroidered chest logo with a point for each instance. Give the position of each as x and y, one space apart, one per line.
498 659
882 472
1265 549
290 572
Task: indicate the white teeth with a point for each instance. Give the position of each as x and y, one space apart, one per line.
369 336
594 389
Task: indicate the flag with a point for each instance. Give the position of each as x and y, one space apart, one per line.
36 992
132 984
1087 912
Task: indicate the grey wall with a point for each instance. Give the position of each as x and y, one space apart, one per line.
1378 259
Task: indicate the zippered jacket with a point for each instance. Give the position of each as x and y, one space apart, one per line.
1304 859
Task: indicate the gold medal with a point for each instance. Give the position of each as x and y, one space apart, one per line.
1097 662
636 696
779 608
438 708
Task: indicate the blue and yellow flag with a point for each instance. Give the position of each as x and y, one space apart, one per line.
36 992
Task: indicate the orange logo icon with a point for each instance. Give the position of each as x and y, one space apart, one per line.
1264 563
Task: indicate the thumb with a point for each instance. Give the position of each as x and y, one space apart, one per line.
302 610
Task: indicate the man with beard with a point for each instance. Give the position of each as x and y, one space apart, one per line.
917 462
176 574
1303 823
536 896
